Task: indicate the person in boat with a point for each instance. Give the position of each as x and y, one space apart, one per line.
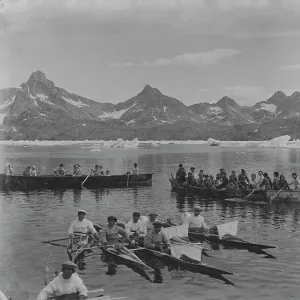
135 170
9 170
224 182
218 180
260 178
195 175
152 218
135 226
253 182
190 179
33 171
243 179
59 171
76 171
81 226
107 173
196 221
109 234
181 174
265 184
67 283
27 171
206 182
295 182
96 171
283 183
233 179
276 180
156 240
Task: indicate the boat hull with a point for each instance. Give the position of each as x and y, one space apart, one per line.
19 182
286 195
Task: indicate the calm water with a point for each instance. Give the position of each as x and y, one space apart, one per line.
26 219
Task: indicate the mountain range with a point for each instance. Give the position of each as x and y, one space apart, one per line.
38 109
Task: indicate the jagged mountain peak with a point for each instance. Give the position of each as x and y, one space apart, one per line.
148 89
37 77
277 99
225 102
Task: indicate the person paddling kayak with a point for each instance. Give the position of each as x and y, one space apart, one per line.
66 283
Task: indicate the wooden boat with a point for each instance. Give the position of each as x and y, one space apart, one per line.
17 182
285 195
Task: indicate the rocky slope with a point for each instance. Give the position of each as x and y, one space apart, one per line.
40 110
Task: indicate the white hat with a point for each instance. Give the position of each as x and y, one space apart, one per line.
197 207
82 211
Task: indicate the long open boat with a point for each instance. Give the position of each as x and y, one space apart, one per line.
17 182
258 195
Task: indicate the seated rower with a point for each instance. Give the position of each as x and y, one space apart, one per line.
27 171
196 221
190 179
253 182
9 170
156 239
207 182
243 179
295 183
81 226
224 181
195 175
233 179
109 234
59 171
33 171
67 283
265 184
181 174
76 171
276 181
152 218
135 170
135 226
283 183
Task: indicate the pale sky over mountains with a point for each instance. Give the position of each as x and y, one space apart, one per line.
194 50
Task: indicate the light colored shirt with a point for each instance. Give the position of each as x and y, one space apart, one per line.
135 171
196 221
33 173
9 172
85 226
152 239
60 286
131 226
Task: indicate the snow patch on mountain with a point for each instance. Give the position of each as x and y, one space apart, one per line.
116 114
215 109
269 107
7 103
75 103
44 98
2 116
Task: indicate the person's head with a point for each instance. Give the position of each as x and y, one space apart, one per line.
253 176
135 165
218 176
157 225
192 169
28 168
180 165
78 165
111 221
68 268
81 214
152 216
206 176
276 174
197 210
223 175
96 167
100 167
260 173
8 166
266 175
282 177
222 170
75 167
243 171
136 216
61 166
233 172
33 168
211 177
294 175
201 172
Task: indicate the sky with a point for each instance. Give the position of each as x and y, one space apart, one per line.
193 50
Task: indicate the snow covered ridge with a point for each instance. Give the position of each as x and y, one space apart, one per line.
279 142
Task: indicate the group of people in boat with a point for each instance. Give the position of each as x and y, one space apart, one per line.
261 181
60 171
68 282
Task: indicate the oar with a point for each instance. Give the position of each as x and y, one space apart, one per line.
272 198
85 179
50 241
127 178
250 193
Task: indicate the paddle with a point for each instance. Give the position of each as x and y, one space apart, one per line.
85 179
127 178
251 193
50 241
273 197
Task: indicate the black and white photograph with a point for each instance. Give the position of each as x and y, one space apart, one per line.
150 149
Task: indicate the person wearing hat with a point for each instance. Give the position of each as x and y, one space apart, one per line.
243 179
135 226
195 175
109 234
195 220
181 174
156 239
76 170
66 283
152 218
135 170
33 171
81 226
60 171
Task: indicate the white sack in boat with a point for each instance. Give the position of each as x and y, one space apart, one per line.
2 296
193 252
179 231
184 217
226 228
